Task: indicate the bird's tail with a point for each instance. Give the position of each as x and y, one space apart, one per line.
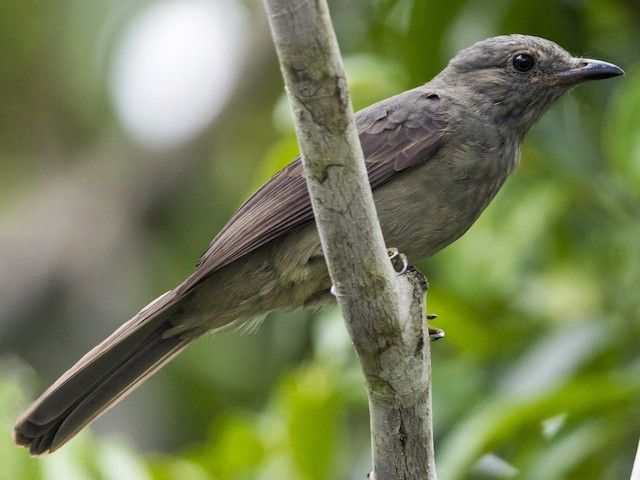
104 376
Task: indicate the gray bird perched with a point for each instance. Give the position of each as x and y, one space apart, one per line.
436 156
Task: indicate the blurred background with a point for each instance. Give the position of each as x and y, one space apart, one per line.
131 130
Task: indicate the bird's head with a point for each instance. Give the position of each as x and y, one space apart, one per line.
518 77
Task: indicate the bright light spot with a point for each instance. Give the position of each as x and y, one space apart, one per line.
551 426
175 67
492 466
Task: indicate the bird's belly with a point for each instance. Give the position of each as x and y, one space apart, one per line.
434 208
420 211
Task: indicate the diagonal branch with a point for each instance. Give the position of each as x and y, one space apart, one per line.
384 312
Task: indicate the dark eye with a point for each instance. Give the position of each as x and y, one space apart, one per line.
523 62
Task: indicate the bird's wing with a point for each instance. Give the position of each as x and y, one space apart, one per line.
396 134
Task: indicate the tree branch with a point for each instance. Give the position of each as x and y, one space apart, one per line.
635 472
384 312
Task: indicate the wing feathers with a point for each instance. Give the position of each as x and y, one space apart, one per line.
396 134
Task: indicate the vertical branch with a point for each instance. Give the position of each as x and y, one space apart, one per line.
384 312
635 473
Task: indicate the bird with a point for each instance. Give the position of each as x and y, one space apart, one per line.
436 155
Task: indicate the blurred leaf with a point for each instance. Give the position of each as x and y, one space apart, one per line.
621 136
313 410
492 466
224 458
15 463
118 462
174 468
556 462
554 359
493 424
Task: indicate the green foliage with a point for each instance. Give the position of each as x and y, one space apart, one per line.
539 374
621 136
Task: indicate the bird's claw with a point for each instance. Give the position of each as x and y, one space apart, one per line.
399 263
435 334
398 260
335 291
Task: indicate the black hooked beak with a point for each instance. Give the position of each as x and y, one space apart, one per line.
588 69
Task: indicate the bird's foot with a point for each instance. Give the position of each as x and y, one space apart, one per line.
399 263
435 334
398 260
335 291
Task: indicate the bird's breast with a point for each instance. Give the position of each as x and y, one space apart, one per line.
426 209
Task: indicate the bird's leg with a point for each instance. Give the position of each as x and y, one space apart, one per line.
335 291
434 333
401 265
398 260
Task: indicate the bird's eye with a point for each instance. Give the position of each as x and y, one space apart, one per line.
523 62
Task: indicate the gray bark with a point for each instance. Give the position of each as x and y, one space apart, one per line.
384 311
635 472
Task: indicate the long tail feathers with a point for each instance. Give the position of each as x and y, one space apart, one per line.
103 376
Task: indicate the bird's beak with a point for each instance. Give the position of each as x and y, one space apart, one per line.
584 69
